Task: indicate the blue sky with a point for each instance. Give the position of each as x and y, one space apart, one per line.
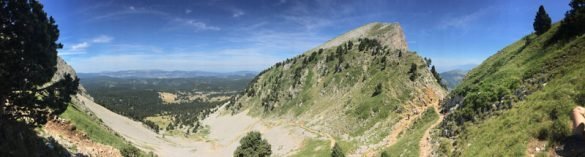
234 35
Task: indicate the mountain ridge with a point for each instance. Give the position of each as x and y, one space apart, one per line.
367 79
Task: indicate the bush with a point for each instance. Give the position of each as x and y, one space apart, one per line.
130 152
413 72
336 151
559 131
542 134
377 90
384 154
252 145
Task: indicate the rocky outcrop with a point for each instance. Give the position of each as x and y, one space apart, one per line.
64 69
389 34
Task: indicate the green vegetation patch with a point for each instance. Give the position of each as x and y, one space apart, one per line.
522 93
314 148
93 129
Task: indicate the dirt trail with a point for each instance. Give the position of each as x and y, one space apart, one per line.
316 132
66 134
425 145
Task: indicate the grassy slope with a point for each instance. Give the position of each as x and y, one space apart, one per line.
95 131
554 72
314 148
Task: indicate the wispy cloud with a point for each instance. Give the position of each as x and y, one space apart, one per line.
174 21
316 15
279 41
254 26
102 39
129 11
461 22
224 60
237 13
192 24
81 47
309 22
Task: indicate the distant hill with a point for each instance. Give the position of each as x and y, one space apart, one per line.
166 74
362 88
517 102
452 78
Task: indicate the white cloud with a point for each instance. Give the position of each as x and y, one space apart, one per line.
132 8
193 24
238 13
188 11
276 41
102 39
80 46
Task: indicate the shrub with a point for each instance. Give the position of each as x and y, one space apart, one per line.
336 151
413 72
542 134
384 154
252 145
130 152
559 131
377 90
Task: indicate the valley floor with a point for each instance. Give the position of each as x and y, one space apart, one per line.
225 132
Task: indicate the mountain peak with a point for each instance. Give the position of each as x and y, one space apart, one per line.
389 34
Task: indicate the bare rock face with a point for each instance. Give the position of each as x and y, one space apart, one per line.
62 70
389 34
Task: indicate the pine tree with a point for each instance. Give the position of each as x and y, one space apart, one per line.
542 21
437 76
574 22
349 45
28 50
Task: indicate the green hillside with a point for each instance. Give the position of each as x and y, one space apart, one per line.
516 98
96 131
355 91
